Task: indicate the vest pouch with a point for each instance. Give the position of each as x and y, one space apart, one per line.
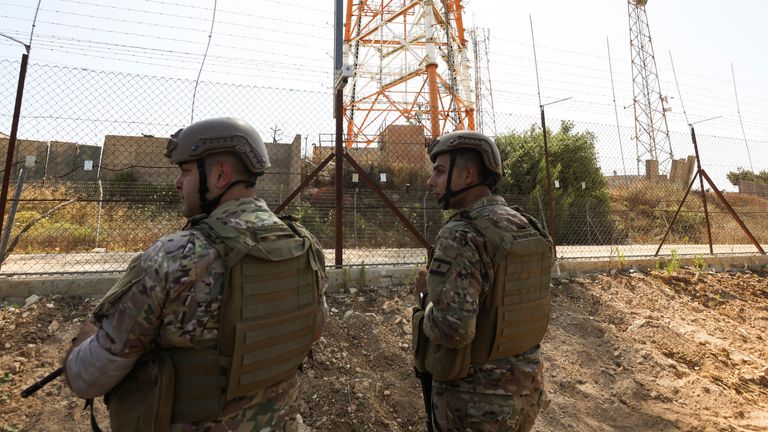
445 363
143 400
419 341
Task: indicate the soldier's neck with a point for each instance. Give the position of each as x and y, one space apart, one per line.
469 197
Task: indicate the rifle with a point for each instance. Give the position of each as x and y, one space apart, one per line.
29 391
425 377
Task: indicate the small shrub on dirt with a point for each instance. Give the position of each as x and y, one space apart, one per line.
698 264
673 265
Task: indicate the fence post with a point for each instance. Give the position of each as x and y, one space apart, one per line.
424 211
98 215
354 214
12 214
12 139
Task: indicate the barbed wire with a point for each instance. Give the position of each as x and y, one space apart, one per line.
154 36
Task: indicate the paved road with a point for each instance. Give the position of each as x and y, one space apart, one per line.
110 262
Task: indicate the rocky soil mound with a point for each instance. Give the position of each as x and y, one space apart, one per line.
632 351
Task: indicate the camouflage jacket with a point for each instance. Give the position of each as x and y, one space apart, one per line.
175 304
464 276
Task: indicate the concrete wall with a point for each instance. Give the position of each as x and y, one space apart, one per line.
284 176
680 174
24 148
384 278
682 171
66 161
365 156
752 188
145 158
139 155
60 160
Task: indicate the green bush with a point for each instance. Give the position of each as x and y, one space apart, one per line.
582 213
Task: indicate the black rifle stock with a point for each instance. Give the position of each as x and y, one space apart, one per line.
29 391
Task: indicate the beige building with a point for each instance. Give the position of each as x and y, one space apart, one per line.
400 146
142 159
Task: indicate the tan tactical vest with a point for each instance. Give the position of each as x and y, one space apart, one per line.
514 316
268 316
266 322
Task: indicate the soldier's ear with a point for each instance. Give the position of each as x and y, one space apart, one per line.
224 174
470 174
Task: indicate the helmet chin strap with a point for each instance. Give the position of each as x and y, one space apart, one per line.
205 205
445 199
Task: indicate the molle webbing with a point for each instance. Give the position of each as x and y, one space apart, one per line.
277 313
267 319
514 316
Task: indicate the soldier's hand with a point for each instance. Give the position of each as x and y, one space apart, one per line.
421 283
87 330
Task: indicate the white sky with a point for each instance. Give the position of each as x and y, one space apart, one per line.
288 44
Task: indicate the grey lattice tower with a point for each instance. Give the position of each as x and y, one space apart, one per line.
485 111
651 131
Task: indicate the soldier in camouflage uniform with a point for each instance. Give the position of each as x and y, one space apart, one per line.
171 296
502 394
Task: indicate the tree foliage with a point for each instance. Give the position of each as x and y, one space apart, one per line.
582 213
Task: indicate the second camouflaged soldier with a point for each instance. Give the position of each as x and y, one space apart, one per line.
207 328
487 307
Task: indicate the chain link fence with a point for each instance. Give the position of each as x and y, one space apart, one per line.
97 190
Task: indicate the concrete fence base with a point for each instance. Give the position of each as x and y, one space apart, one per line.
355 278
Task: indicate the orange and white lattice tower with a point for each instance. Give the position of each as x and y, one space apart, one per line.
651 131
410 66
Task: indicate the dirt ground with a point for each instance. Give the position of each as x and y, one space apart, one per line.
632 351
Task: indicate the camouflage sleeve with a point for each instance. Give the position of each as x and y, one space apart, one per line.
133 325
456 279
322 317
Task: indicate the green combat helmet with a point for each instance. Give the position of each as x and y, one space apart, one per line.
218 135
467 140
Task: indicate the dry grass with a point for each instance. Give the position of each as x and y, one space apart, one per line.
645 211
82 225
129 221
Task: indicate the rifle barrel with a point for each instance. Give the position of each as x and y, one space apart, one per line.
29 391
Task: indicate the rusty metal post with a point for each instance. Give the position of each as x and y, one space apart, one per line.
339 152
674 218
733 212
550 198
703 192
339 83
12 214
12 139
388 202
304 183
